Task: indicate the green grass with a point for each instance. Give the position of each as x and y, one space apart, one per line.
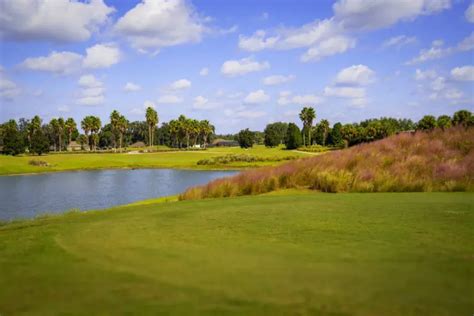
284 253
175 159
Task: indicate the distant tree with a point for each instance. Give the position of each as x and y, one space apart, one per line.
12 141
335 136
122 125
138 131
464 118
114 121
293 137
34 125
275 134
321 132
82 140
428 122
71 127
39 142
443 122
91 125
152 120
307 115
350 134
206 129
61 128
246 138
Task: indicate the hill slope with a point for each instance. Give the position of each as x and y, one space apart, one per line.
424 161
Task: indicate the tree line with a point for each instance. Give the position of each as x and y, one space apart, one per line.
35 137
344 135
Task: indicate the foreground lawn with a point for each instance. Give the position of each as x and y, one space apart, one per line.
306 253
172 159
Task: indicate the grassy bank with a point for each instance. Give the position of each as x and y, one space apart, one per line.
440 160
325 254
175 159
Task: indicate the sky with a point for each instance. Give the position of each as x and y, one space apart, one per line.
238 63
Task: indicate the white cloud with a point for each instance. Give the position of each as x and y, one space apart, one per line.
437 51
248 114
92 92
102 56
202 103
204 71
277 79
56 62
256 42
169 99
328 47
399 41
243 66
370 15
357 75
464 73
8 89
64 109
423 75
142 110
180 84
470 13
131 87
257 97
286 97
154 24
58 20
345 92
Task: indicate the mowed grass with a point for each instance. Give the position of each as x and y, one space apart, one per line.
172 159
298 253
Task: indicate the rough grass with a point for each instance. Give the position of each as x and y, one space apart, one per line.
306 254
176 159
425 161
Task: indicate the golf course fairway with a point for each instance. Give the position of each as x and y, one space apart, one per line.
292 253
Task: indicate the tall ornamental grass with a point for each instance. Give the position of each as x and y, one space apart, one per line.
440 160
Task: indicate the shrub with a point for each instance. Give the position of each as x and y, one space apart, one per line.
246 138
293 137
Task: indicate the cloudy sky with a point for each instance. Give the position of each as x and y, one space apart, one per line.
238 63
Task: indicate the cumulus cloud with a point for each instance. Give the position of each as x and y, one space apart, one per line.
58 20
64 109
257 97
131 87
202 103
437 50
399 41
286 97
101 56
345 92
56 62
92 92
142 110
154 24
169 99
436 87
243 66
204 71
180 84
8 89
329 47
65 63
470 13
464 73
256 42
355 75
277 79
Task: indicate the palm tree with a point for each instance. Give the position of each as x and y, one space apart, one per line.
114 118
86 126
70 127
307 115
122 125
174 131
206 129
152 121
95 128
33 127
61 126
91 124
184 128
325 128
55 127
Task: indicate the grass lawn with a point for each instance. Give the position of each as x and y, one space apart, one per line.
305 253
174 159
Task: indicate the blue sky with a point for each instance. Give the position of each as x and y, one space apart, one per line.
237 63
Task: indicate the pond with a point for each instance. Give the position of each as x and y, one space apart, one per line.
27 196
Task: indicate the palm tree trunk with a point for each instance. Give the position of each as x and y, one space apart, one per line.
121 137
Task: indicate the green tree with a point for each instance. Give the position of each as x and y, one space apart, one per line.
206 130
335 136
246 138
82 140
321 132
293 137
114 119
71 127
307 115
122 125
428 122
39 142
152 120
464 118
443 122
12 141
61 127
55 129
275 133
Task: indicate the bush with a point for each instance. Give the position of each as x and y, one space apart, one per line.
293 137
314 149
246 138
230 158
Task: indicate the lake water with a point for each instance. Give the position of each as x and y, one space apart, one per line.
27 196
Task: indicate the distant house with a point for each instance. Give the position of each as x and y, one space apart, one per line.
138 145
75 146
224 143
